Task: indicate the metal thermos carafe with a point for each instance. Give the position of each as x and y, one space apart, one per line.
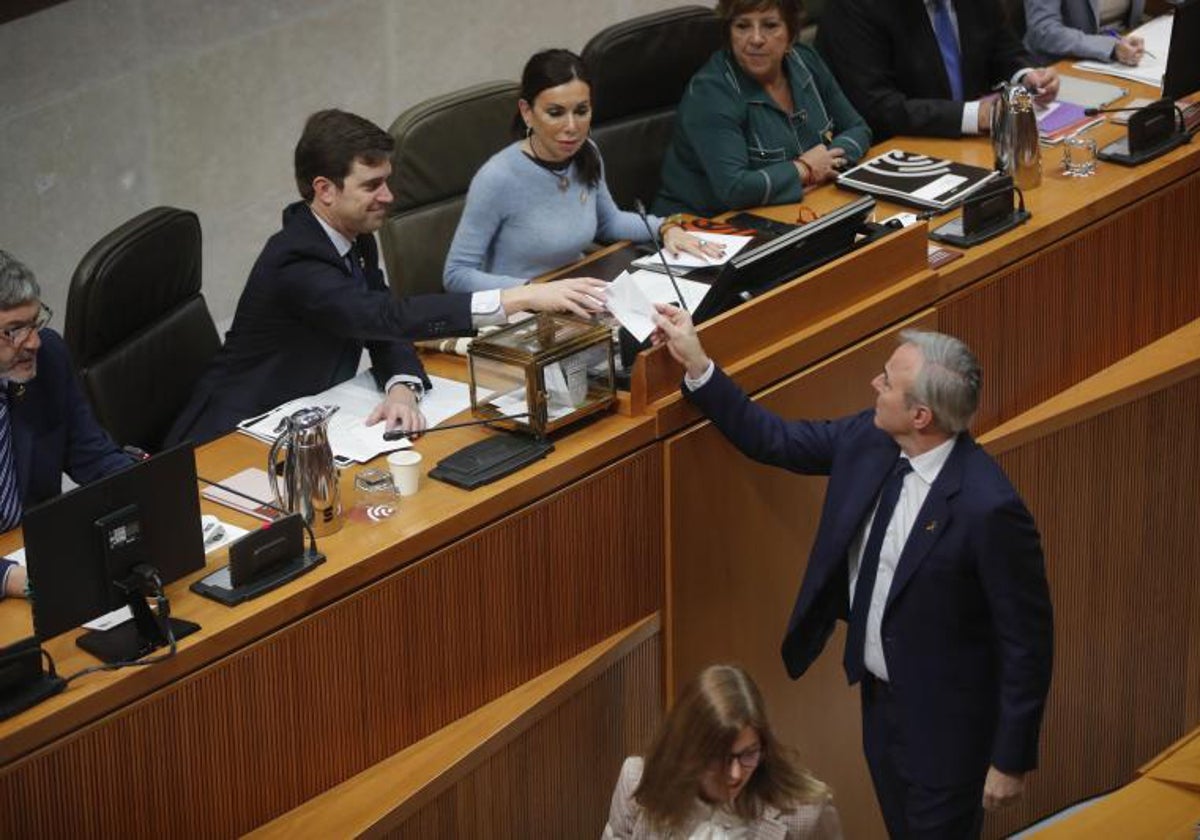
309 475
1015 136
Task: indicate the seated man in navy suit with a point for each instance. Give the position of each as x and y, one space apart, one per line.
929 554
46 426
316 296
926 67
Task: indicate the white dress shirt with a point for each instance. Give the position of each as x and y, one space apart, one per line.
925 469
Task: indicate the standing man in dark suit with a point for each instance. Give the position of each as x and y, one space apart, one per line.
316 296
46 426
931 557
926 67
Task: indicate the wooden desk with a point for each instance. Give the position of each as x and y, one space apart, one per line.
417 622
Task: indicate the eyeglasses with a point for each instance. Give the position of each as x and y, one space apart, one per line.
748 758
16 336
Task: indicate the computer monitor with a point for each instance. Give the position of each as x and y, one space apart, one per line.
757 270
1183 58
88 548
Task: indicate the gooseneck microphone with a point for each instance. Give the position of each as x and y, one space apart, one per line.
397 434
312 538
641 211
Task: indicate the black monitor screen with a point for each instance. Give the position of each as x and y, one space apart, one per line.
1183 61
78 544
757 270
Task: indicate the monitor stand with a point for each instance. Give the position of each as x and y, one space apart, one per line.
133 639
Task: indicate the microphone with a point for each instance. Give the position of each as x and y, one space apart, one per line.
397 434
1163 103
641 211
312 539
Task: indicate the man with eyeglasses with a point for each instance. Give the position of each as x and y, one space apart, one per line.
46 425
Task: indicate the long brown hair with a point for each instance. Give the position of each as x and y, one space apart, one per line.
700 729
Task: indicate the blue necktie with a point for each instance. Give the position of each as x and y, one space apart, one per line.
943 28
856 637
10 487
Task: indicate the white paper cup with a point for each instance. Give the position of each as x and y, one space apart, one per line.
405 465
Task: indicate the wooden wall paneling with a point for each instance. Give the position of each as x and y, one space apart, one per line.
739 535
556 780
1078 306
1115 498
280 721
393 792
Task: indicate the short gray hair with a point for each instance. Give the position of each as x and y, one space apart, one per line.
18 286
949 380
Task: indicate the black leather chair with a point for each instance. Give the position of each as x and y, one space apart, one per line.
137 326
639 70
440 145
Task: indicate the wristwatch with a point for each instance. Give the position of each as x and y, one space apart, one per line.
418 389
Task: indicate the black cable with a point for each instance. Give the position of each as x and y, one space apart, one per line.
312 539
397 434
164 618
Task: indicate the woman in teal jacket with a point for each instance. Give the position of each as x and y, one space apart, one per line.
761 121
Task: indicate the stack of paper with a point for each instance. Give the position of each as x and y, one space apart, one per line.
1157 37
686 262
351 439
1059 120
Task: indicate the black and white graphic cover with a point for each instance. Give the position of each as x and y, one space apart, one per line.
916 179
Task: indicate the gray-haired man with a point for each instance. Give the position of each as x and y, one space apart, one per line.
930 556
46 426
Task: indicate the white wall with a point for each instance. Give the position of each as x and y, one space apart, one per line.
109 107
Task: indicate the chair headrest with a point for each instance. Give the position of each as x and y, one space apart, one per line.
442 142
644 63
131 278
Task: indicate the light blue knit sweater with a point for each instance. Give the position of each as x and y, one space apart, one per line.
518 224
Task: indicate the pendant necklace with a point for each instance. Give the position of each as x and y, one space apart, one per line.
561 175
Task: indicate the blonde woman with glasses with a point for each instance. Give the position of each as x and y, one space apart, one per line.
716 772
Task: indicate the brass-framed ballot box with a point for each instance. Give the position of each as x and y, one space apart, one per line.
542 373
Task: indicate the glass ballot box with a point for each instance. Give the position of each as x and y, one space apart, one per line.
544 373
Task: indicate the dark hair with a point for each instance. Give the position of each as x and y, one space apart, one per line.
332 141
18 286
551 68
700 729
789 10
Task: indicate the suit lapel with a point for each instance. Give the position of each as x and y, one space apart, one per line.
933 518
861 494
917 23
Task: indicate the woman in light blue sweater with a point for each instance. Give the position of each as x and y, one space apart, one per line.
535 205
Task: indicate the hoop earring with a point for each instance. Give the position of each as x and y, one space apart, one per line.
528 131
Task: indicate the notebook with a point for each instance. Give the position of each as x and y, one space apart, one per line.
916 179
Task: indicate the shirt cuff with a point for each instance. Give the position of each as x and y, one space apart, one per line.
487 310
970 117
6 567
407 379
701 380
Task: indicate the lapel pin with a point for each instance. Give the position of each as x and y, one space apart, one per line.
932 526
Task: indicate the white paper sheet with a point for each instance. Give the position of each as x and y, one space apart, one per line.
1157 36
631 298
350 438
733 244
